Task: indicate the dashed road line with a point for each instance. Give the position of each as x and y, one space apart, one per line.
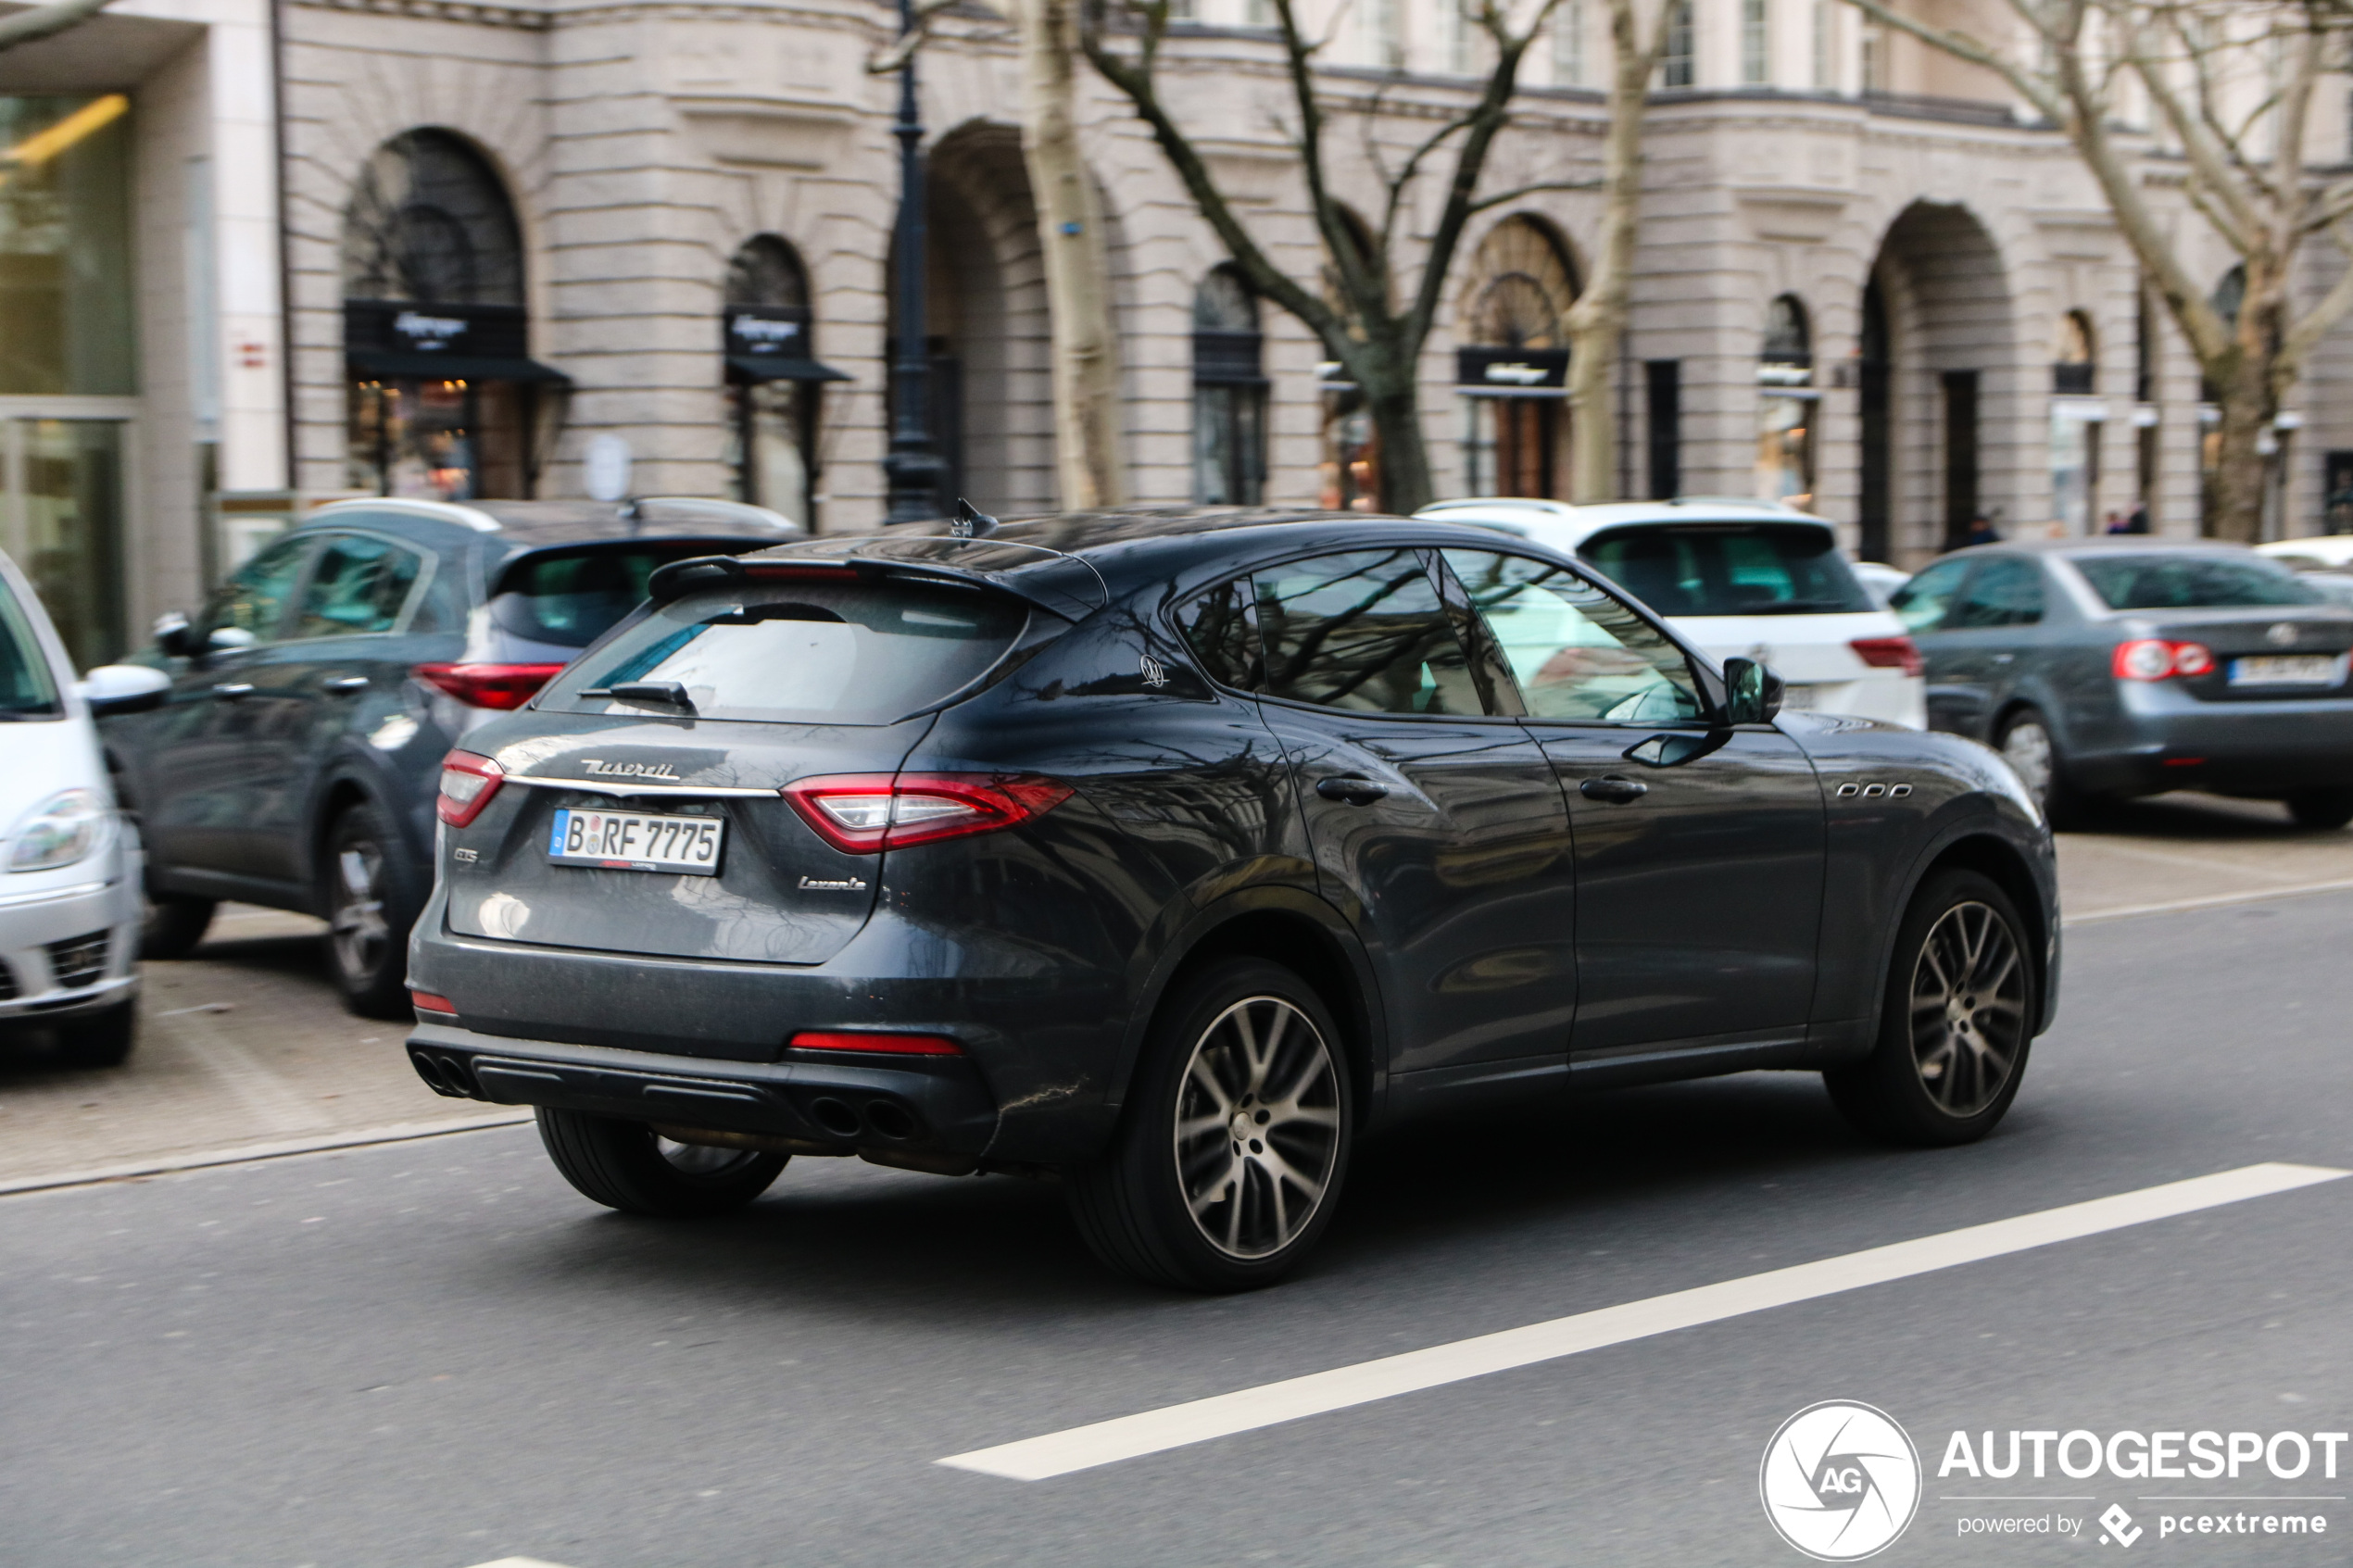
1247 1409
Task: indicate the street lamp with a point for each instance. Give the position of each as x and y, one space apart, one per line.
912 466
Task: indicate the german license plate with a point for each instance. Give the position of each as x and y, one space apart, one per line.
2287 669
633 841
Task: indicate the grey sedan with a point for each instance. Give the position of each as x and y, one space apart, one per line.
2120 668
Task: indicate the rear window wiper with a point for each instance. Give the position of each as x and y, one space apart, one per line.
670 694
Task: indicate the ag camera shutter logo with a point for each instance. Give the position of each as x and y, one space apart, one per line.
1841 1481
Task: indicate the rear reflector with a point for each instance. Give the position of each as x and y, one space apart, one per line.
425 1001
504 686
467 784
859 813
888 1045
1889 653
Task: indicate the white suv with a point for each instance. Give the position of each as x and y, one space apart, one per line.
1737 577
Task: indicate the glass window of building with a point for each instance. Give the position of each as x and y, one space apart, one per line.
1512 364
2077 418
444 401
1787 406
1756 43
773 380
1676 63
1568 44
1348 474
1229 394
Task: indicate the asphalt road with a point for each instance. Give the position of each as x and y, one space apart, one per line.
433 1354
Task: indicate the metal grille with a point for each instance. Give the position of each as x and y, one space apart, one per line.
79 962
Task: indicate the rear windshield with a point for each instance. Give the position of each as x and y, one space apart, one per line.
27 690
572 596
809 653
2187 582
1730 568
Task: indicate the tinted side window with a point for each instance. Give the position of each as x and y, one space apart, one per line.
250 604
1217 628
1573 651
1922 603
27 688
2005 591
1730 568
1363 631
358 585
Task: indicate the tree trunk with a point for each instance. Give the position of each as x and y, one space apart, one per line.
1395 408
1070 235
1597 322
2239 467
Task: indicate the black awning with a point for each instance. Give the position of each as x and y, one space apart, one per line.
776 366
397 364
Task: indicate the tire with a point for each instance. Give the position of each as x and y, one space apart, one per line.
1182 1199
623 1165
175 925
2321 809
99 1039
368 889
2026 744
1950 1055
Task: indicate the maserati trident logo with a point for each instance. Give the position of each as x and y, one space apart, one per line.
1155 672
627 770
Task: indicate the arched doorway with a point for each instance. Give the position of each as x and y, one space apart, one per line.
1948 345
2078 418
444 396
1785 405
991 389
773 380
1512 368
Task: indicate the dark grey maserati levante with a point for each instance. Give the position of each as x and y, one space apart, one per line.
1167 852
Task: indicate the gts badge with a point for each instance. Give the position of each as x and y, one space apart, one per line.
1893 792
465 856
836 885
627 770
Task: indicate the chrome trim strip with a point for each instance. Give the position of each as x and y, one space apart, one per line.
596 787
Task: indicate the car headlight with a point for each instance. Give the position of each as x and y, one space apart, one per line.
58 832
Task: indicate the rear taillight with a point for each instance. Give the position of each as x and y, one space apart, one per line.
426 1001
489 685
1889 653
467 784
875 1040
861 813
2154 659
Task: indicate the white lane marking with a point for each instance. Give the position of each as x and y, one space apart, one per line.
1246 1410
245 1153
519 1563
2211 901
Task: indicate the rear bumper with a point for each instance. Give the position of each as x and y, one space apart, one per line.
934 1108
2164 740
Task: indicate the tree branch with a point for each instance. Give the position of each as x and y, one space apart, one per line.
903 47
43 20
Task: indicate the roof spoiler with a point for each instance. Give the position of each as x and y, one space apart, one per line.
679 578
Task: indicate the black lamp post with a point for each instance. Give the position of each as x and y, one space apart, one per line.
912 466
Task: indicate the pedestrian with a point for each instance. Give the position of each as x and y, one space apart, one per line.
2137 521
2115 523
1981 531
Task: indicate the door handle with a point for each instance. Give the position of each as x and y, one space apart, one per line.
233 691
1615 790
344 685
2004 658
1355 792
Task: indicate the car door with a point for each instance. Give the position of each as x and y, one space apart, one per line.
1983 637
1436 827
1926 607
1698 844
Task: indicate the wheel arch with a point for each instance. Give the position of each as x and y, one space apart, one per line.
2001 862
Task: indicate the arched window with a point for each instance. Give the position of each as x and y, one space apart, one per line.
1787 405
1512 362
2077 420
1229 393
443 393
773 378
2071 361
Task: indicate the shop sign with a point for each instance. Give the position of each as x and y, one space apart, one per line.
767 331
1511 372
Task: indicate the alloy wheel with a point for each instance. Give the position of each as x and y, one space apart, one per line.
2026 747
356 924
1258 1123
1968 1009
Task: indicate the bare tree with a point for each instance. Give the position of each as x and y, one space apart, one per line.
42 20
2232 83
1376 340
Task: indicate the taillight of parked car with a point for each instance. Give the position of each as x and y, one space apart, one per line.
489 685
2154 659
467 784
1888 653
861 813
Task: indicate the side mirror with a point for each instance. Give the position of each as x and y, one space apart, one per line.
1751 692
174 635
124 688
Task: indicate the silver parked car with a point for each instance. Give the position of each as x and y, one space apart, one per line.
69 865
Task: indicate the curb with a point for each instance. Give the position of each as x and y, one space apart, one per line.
407 1132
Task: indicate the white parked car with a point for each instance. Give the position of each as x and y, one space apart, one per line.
1738 577
2319 549
1879 580
71 901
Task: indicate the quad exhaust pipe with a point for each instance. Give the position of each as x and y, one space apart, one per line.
772 1143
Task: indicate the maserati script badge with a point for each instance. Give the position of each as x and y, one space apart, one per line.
627 770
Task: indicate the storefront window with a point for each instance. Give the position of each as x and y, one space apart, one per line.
773 381
65 247
1787 406
2077 421
444 399
1229 394
1512 372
